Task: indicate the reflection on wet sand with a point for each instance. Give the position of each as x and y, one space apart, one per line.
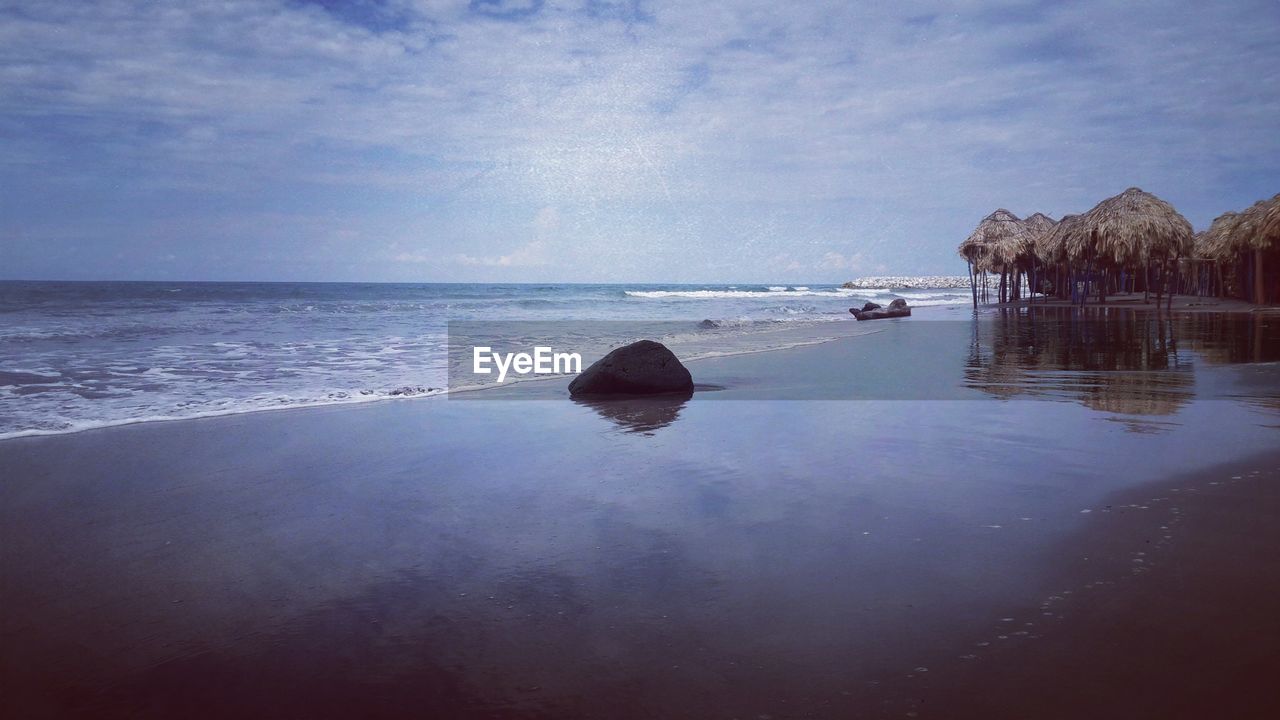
644 415
1114 361
1222 338
510 560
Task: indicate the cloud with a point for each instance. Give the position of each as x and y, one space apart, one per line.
506 9
532 254
784 264
547 219
854 262
692 122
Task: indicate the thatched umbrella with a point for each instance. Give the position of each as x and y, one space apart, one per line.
1051 245
994 245
1038 225
1051 250
1259 227
1269 225
1216 242
1215 245
1133 228
973 250
974 253
1258 233
1243 240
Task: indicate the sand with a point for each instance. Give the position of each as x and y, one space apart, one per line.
1161 605
1138 301
775 547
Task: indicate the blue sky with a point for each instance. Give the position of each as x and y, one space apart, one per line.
605 140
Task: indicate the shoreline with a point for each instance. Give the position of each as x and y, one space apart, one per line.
431 393
1183 305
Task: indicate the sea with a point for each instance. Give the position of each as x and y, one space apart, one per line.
81 355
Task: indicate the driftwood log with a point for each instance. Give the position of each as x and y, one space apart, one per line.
871 311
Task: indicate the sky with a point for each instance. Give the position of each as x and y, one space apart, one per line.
605 140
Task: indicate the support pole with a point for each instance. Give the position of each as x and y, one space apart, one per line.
1259 286
973 286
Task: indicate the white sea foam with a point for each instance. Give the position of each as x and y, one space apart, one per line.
228 406
773 293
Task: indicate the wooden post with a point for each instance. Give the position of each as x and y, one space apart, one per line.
1259 286
1159 284
973 286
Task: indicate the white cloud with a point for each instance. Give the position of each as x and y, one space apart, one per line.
532 254
895 121
784 264
547 219
853 262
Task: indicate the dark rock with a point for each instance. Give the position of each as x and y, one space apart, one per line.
897 308
708 325
641 368
870 306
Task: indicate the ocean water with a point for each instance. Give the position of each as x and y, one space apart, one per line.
75 356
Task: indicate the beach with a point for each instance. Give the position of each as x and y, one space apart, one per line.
632 360
1161 608
943 518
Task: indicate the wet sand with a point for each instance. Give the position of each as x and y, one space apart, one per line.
689 558
1161 605
1138 301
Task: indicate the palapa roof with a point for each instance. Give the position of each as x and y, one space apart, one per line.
997 240
1269 227
1257 228
1216 241
1127 228
1039 224
1050 246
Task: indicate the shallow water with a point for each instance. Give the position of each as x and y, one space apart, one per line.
774 556
81 355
